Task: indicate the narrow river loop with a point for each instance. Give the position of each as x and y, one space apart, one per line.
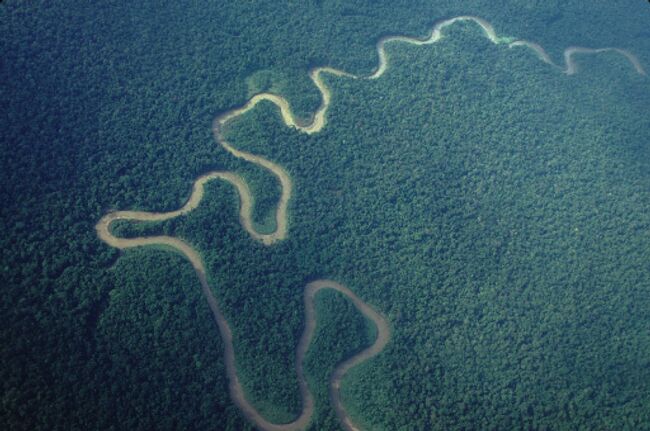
316 124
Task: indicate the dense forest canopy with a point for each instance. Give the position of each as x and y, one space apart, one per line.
493 208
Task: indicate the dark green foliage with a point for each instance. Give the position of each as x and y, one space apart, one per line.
494 209
340 333
157 317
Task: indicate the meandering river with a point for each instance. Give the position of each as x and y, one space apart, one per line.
317 123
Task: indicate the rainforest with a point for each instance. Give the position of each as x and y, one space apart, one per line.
325 215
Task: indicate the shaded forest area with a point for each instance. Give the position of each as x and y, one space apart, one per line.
493 208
